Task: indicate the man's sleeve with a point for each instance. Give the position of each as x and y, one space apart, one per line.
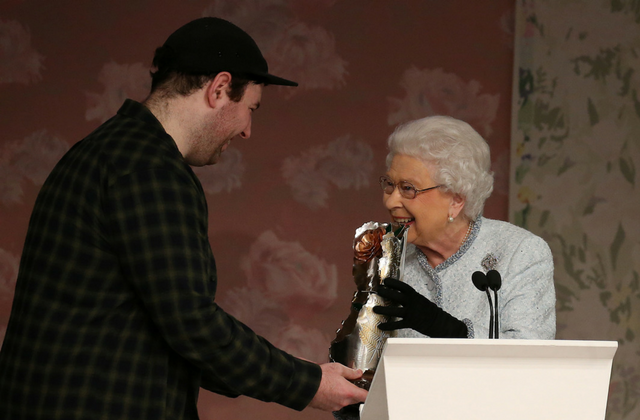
159 222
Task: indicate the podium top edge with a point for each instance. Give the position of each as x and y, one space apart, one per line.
505 342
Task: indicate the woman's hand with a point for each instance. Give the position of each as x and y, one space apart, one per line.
417 312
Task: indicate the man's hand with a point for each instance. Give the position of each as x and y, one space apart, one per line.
335 390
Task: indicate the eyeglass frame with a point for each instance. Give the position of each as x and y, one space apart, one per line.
415 190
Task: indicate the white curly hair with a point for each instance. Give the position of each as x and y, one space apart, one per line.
459 156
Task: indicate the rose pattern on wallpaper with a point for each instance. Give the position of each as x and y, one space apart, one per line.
9 264
308 54
8 274
19 61
29 159
308 185
577 121
10 184
121 81
318 3
264 20
225 175
347 163
294 49
263 314
267 317
308 343
293 34
435 92
285 285
302 283
344 162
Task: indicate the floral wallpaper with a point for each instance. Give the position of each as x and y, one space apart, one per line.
284 205
576 131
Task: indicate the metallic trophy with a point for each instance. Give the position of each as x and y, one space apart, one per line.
379 250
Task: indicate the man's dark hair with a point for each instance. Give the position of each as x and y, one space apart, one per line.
173 83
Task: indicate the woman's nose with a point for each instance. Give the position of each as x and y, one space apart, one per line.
392 200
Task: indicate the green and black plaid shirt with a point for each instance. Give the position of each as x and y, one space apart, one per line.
114 314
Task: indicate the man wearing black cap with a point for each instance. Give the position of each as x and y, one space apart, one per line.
114 314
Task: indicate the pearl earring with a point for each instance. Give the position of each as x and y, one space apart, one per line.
450 219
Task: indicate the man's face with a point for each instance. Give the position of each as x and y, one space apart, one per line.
229 120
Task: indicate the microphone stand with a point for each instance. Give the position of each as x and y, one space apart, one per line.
491 324
494 282
481 282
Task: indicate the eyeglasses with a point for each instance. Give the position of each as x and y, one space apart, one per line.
406 189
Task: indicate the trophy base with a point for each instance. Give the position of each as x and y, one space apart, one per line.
350 412
365 381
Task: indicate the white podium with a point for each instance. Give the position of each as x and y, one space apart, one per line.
458 379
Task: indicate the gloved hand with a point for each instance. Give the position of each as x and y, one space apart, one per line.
417 312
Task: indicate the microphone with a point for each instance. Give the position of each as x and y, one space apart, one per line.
495 282
481 282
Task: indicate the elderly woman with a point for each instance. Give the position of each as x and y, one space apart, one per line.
437 181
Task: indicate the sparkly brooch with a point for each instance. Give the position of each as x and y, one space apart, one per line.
489 262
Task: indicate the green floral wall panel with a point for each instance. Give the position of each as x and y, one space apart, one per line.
575 148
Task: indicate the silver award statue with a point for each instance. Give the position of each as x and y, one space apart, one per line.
379 250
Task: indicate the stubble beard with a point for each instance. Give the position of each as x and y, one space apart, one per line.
208 134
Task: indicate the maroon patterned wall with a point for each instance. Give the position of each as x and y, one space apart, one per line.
284 204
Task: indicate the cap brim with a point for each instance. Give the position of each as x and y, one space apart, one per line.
275 80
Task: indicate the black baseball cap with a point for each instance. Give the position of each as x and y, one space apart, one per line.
210 45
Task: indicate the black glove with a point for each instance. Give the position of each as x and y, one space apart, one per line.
417 312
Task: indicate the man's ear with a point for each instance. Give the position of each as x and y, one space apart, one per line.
216 89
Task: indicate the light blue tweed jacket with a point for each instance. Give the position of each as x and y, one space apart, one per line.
526 300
